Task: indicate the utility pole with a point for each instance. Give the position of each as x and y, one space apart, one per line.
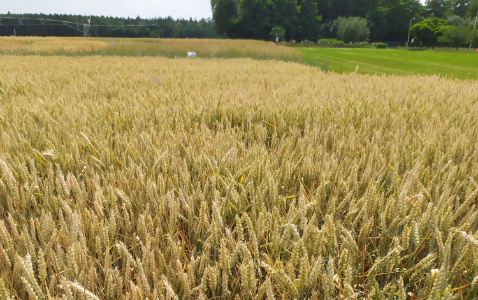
471 42
86 27
408 40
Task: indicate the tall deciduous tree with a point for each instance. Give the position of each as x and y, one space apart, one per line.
285 14
399 14
223 12
429 31
472 9
377 20
388 20
460 7
359 8
338 8
323 7
439 8
254 20
309 21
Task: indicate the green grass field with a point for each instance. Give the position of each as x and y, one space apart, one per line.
386 61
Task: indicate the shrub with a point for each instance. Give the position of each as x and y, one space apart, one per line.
352 29
380 45
330 41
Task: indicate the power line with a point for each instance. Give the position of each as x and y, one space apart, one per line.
73 25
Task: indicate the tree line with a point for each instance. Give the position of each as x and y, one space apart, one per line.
72 25
350 20
437 22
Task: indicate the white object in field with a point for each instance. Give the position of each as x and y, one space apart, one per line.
277 39
191 54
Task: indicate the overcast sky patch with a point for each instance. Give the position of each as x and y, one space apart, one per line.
196 9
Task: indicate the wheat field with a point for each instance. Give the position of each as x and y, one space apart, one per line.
135 178
171 48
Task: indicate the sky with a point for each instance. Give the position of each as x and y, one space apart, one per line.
196 9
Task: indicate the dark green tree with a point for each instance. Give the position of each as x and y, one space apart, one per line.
439 8
285 14
337 8
359 8
460 7
428 31
309 21
399 14
472 9
41 25
223 12
323 7
378 23
254 20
